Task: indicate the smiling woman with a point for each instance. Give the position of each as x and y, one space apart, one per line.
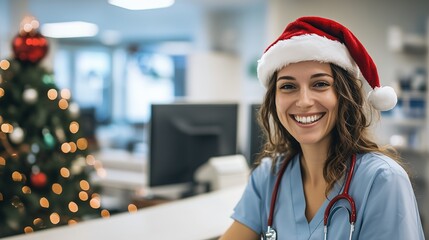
319 162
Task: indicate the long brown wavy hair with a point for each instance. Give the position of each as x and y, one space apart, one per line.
350 134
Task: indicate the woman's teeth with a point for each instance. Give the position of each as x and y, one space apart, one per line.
307 119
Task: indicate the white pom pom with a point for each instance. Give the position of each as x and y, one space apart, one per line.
383 98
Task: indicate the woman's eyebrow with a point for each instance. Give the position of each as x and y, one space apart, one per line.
320 75
312 76
285 78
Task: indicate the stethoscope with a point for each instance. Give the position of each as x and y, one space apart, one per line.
271 233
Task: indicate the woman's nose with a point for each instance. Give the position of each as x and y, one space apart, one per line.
305 99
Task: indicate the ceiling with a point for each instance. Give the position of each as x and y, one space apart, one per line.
179 22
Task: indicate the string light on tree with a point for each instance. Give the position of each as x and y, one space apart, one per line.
74 110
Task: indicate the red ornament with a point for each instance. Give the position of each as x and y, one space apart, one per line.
30 47
39 179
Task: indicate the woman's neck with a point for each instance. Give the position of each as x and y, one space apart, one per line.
312 163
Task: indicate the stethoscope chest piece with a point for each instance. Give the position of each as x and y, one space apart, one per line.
270 234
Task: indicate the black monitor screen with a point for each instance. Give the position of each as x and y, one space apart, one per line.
184 136
256 135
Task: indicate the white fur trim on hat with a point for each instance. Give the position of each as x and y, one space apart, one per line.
308 47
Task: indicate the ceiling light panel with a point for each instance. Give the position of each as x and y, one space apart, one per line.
69 29
142 4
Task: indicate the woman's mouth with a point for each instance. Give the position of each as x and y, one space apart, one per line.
309 119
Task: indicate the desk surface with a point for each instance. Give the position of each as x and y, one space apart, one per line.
201 217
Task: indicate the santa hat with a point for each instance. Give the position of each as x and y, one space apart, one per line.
324 40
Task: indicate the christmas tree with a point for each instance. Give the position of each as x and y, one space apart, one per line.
44 164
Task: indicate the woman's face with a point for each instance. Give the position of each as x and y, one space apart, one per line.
306 101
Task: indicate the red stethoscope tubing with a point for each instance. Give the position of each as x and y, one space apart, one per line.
344 195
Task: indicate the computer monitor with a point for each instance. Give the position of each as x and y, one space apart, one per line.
183 136
256 139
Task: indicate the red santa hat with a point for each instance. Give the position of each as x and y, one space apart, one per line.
324 40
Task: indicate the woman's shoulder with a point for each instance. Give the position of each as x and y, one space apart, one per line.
266 164
263 170
377 164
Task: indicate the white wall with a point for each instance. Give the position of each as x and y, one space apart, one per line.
213 77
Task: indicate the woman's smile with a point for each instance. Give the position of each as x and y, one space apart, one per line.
307 119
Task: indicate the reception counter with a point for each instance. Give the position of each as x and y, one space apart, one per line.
201 217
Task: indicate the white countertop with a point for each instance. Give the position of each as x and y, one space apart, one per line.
201 217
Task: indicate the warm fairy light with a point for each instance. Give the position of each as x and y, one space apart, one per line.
52 94
83 196
55 218
95 203
6 128
140 191
57 188
63 104
90 160
65 147
37 222
65 93
16 176
101 172
28 24
44 203
28 229
132 208
4 64
82 143
17 203
26 190
65 173
2 161
73 207
73 147
95 195
35 24
59 132
98 164
1 92
84 185
72 222
105 213
74 127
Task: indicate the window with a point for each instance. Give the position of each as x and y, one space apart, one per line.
86 71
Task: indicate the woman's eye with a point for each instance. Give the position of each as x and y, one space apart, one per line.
321 84
287 86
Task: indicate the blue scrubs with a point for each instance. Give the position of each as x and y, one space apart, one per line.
385 203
